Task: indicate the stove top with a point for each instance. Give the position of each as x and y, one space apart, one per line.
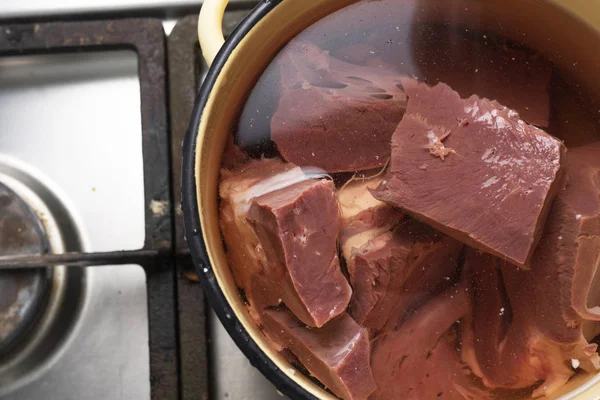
84 155
91 157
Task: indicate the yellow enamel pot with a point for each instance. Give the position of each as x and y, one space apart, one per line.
235 66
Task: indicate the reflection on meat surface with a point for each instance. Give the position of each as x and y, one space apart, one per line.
483 67
474 170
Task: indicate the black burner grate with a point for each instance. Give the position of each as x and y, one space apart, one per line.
186 70
146 37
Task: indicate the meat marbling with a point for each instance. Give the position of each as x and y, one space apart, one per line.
398 271
474 170
337 354
420 360
334 115
363 217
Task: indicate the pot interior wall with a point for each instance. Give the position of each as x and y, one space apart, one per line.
535 23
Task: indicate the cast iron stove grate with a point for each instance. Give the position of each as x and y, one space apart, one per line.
146 37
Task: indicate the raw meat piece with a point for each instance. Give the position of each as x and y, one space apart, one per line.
474 170
512 339
337 354
265 282
398 271
334 115
298 227
363 217
245 254
358 206
420 360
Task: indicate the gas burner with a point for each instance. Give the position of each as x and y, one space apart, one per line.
116 321
23 293
35 319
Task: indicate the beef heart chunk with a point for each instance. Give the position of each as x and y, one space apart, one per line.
474 170
398 271
420 360
245 253
298 227
334 115
337 354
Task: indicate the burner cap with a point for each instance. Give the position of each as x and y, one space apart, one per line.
22 292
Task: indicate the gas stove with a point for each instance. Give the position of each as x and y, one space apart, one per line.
84 163
101 301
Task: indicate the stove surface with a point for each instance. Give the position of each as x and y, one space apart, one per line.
74 120
74 153
105 354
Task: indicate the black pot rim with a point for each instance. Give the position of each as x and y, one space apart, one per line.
192 219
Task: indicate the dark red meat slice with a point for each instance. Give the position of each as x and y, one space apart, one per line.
245 253
332 114
298 227
474 170
398 271
420 360
337 354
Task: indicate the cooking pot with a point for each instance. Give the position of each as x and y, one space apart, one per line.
562 30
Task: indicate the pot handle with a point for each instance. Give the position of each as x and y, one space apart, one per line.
210 28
